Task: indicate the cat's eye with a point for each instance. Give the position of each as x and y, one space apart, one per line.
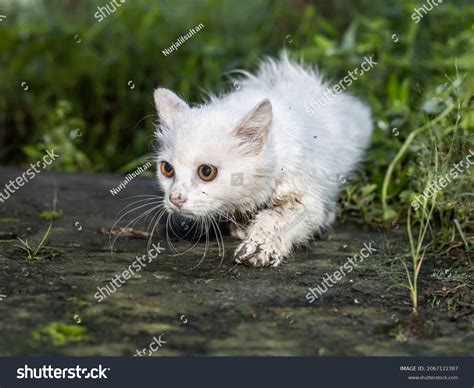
166 169
207 172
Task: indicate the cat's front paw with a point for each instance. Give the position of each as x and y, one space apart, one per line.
258 254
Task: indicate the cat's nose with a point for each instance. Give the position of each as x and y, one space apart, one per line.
178 200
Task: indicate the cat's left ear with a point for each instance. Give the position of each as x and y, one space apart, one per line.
168 104
253 129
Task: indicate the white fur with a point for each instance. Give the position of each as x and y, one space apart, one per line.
290 185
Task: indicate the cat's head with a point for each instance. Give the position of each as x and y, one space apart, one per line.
211 159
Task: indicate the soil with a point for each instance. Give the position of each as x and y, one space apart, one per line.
47 306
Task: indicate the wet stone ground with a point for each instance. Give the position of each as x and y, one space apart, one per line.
47 307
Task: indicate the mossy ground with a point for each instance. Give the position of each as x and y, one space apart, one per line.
50 309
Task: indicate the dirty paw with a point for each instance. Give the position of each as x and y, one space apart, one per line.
254 254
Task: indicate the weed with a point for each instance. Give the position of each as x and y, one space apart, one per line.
52 214
418 247
58 334
41 251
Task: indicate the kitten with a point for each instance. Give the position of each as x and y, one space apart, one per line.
257 151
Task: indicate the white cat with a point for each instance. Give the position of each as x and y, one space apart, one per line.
256 151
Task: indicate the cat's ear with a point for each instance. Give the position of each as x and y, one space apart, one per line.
252 130
168 104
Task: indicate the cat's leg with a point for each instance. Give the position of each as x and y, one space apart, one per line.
330 215
237 231
238 225
275 231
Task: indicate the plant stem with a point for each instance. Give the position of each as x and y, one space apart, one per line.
398 157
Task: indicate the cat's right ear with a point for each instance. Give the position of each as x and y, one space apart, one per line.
253 128
168 104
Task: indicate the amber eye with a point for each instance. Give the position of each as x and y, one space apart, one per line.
166 169
206 172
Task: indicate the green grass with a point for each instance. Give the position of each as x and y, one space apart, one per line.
41 251
418 246
54 213
50 215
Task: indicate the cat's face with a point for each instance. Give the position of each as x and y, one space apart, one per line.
209 162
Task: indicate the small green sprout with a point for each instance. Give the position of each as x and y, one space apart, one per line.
41 249
53 214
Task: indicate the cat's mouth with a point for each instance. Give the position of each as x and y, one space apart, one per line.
194 211
182 212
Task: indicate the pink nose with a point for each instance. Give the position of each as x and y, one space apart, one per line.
178 200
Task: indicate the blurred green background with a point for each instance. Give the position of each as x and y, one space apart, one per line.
79 75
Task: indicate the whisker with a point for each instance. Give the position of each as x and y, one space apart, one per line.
143 118
133 203
157 222
187 250
228 218
144 221
206 229
133 222
217 236
139 207
219 244
153 218
167 234
136 208
171 221
141 196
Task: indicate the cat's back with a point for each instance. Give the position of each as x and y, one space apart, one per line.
286 80
342 128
